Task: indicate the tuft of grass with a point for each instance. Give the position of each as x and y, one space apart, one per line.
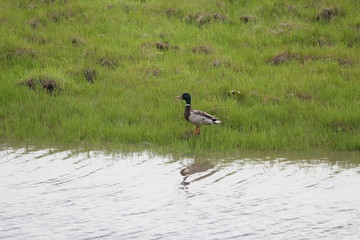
281 75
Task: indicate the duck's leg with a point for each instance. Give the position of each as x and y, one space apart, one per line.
197 130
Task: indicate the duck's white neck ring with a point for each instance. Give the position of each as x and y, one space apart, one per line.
188 105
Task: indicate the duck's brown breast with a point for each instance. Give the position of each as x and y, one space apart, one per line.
187 112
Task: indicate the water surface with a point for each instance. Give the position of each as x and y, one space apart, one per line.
65 194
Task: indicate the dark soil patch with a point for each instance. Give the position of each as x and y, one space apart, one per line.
302 96
271 100
221 63
45 83
172 12
21 52
344 61
57 16
342 126
357 27
287 25
27 6
90 75
163 35
108 62
322 41
110 6
126 8
161 46
202 49
284 28
53 1
34 23
37 39
3 20
78 40
49 85
219 18
282 58
327 14
217 63
202 19
25 52
154 72
287 57
247 18
31 83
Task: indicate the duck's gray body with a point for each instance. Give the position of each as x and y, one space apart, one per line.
198 117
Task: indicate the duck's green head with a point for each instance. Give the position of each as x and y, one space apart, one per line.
186 97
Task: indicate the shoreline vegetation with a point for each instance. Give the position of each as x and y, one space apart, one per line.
281 75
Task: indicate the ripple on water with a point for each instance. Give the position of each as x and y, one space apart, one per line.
51 194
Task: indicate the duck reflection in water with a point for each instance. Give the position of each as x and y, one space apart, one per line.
198 167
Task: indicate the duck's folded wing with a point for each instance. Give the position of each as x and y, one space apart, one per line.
207 116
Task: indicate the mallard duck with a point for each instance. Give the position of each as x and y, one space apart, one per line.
196 117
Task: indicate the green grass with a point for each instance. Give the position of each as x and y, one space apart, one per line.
309 101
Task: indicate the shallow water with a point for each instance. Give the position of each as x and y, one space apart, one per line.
53 194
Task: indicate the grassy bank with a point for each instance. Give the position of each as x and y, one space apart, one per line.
106 72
